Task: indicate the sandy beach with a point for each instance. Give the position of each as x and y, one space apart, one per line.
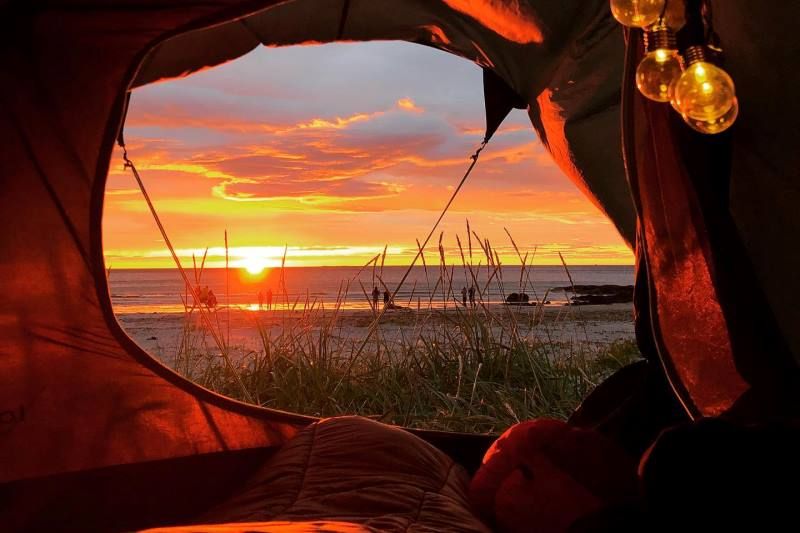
589 325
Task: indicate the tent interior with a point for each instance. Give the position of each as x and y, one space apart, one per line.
97 435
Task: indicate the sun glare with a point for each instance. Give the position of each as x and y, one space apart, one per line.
254 265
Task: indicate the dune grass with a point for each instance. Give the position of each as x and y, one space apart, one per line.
475 369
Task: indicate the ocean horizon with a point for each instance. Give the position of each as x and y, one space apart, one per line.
162 290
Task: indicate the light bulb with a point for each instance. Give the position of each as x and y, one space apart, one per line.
704 91
660 67
657 72
717 125
637 13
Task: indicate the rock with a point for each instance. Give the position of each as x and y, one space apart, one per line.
518 299
599 294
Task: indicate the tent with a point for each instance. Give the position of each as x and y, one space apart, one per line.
84 411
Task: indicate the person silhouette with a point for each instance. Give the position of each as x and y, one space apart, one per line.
472 295
269 298
375 294
386 298
260 300
464 296
212 300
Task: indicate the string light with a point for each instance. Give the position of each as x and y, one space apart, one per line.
702 92
717 125
661 65
637 13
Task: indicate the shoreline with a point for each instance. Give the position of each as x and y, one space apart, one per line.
562 325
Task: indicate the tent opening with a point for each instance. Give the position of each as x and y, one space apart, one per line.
296 185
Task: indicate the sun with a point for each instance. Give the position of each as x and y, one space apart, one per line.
254 265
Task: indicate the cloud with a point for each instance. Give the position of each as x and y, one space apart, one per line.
337 123
367 140
408 104
395 160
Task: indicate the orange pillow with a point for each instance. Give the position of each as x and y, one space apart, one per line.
544 475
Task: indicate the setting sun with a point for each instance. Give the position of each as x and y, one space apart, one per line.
254 265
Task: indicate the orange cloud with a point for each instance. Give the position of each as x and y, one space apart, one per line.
177 117
347 176
407 104
337 123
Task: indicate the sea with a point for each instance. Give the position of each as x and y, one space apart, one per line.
165 291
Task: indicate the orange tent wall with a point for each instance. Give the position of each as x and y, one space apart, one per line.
77 393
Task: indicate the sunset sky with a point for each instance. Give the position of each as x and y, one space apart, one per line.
337 151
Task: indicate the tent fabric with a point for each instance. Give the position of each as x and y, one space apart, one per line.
499 99
631 407
357 471
740 473
77 395
721 345
763 182
76 392
681 269
127 497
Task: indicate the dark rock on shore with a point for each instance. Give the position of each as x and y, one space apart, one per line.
516 298
599 294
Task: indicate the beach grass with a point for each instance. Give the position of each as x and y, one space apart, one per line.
468 368
428 384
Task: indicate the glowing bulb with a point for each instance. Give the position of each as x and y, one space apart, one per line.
637 13
704 92
657 72
661 66
717 125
